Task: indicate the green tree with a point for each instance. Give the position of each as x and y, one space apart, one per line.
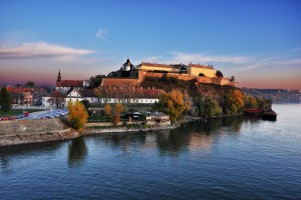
95 81
29 84
219 74
208 107
78 115
5 101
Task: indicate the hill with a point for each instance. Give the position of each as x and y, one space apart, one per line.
276 95
194 90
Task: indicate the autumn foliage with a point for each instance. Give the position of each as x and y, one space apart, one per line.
114 114
118 111
77 115
233 102
174 104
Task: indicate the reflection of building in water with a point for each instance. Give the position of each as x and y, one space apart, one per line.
200 142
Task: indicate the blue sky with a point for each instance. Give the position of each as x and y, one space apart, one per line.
258 41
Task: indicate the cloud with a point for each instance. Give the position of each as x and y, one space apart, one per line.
102 34
295 61
201 58
249 67
40 49
180 57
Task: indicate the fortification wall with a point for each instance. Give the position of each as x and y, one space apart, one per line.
120 82
142 74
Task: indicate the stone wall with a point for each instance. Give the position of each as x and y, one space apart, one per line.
16 127
142 74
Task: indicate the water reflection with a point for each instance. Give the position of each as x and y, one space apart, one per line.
10 159
192 136
77 152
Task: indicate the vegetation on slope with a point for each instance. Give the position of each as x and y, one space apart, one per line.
208 100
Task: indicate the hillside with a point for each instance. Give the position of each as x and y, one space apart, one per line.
168 83
276 95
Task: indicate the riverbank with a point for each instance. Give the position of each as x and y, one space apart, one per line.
18 132
46 130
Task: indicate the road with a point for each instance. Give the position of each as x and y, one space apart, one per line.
46 114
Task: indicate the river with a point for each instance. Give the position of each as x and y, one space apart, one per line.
226 158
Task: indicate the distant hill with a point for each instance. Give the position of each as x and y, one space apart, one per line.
277 95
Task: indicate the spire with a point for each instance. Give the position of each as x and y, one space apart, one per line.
59 78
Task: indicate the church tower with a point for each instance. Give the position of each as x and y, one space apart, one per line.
59 78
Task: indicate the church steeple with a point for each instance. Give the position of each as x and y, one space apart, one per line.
59 78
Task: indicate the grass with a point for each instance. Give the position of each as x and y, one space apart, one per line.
15 112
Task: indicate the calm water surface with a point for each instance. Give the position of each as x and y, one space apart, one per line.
229 158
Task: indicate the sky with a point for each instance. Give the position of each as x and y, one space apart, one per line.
257 41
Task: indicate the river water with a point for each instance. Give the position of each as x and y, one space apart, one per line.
228 158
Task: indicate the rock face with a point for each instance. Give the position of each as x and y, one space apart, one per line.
42 130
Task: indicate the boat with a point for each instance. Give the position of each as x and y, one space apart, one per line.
269 115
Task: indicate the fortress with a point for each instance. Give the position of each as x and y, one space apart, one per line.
128 75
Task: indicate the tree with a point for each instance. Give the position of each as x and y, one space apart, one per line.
86 103
77 115
232 79
252 102
209 107
5 101
219 74
108 109
233 102
29 84
173 104
201 74
118 111
95 81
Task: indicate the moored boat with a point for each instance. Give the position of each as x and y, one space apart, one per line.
269 115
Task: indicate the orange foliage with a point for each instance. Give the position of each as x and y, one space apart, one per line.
108 109
175 103
77 115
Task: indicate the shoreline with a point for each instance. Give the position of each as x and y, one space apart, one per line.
70 133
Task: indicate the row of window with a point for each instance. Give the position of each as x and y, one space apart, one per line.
122 100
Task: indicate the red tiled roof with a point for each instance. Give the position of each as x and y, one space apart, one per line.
20 89
200 66
86 93
69 83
